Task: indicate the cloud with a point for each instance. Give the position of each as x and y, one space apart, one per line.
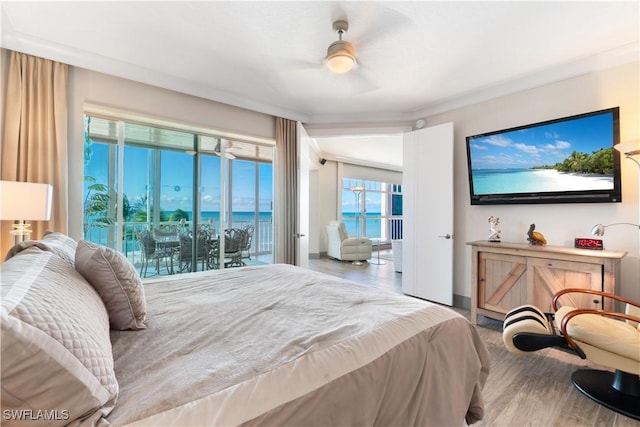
479 147
529 149
498 140
551 135
562 145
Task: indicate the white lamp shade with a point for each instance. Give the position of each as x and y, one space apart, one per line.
26 201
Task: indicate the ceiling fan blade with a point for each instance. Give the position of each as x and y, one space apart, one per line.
299 64
361 80
377 23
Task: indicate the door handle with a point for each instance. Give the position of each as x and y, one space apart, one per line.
447 236
298 235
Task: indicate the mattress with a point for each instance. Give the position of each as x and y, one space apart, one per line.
282 345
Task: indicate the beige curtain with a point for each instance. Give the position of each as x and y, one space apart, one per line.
286 191
34 140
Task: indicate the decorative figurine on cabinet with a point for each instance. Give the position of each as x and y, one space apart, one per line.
534 237
493 228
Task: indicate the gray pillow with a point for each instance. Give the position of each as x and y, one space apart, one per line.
56 349
117 282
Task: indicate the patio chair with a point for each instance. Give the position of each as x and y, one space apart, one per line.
151 252
246 243
206 251
233 241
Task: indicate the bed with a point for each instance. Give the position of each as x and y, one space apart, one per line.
262 345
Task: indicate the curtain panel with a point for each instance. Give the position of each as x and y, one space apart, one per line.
34 139
286 191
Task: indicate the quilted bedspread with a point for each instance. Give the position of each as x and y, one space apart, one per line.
282 345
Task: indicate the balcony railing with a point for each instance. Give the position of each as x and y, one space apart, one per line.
261 243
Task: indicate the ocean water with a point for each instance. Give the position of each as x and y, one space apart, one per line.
236 216
502 181
373 226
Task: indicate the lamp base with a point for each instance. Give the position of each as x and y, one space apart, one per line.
21 232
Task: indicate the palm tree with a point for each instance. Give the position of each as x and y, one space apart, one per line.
96 205
179 214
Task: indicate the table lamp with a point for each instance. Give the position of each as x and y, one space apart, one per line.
24 201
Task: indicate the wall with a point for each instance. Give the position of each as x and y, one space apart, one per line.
88 87
560 223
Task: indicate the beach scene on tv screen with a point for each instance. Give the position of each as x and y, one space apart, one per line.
573 155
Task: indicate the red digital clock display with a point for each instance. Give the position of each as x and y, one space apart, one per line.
587 243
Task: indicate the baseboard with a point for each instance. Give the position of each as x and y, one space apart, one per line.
461 301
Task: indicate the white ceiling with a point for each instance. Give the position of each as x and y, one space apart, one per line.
415 58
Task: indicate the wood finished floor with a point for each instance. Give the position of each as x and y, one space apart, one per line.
529 390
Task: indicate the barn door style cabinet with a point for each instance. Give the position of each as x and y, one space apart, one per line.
507 275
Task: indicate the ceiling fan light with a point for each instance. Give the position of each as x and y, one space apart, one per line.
340 63
340 57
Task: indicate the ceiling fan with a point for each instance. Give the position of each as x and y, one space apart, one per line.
341 55
347 61
227 153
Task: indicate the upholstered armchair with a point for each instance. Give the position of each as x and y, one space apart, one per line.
345 248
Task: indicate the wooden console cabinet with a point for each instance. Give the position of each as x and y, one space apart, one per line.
507 275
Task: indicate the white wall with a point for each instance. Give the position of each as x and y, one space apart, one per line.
88 87
560 223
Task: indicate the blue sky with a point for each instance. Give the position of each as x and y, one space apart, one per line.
176 182
541 145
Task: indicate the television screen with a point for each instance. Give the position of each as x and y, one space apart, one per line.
567 160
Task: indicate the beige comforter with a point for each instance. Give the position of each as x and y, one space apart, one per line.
280 345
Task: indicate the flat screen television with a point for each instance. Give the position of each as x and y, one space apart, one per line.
566 160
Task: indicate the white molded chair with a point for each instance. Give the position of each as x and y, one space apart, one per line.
345 248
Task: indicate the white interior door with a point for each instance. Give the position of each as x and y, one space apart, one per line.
427 237
302 235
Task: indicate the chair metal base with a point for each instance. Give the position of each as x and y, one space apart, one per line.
619 391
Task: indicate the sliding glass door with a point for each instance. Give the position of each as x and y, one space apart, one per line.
176 180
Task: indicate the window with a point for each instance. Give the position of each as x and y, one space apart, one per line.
376 210
167 176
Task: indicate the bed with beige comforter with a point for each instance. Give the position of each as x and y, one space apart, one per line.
280 345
